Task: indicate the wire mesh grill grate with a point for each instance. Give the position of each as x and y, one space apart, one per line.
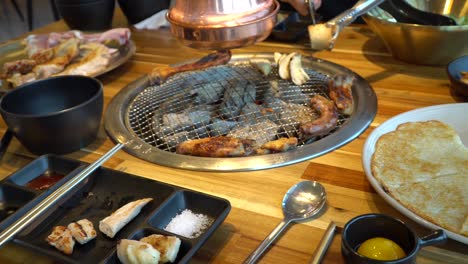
197 104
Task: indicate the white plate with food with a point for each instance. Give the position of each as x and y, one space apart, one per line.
448 159
66 53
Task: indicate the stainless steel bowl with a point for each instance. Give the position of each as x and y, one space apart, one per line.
419 44
222 24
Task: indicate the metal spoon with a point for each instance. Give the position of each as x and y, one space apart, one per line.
301 202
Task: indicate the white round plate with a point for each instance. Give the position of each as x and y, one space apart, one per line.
454 115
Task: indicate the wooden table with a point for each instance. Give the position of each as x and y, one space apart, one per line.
256 196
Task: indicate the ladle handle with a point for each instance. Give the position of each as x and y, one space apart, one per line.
348 16
266 242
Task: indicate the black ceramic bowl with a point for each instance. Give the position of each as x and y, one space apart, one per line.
57 115
138 10
364 227
90 15
454 69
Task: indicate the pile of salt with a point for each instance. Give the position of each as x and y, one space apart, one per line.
188 224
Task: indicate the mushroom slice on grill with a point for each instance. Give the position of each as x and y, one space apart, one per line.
298 74
325 123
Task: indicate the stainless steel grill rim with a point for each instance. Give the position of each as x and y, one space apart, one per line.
131 114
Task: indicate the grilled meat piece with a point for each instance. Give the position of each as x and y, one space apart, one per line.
277 146
235 97
340 91
61 238
82 231
63 55
325 123
221 57
19 79
93 57
221 146
260 132
174 139
17 67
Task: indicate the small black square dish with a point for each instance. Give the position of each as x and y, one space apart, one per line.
105 191
25 188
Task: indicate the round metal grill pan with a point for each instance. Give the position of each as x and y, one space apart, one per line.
138 115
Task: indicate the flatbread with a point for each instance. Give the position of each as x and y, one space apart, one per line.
424 165
416 152
440 200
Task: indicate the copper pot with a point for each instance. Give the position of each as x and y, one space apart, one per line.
222 24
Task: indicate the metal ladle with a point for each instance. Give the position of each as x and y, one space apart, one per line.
302 201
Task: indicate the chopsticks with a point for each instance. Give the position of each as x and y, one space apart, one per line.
324 243
45 204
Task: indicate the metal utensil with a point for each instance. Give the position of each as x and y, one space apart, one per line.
302 201
324 243
311 6
323 36
45 204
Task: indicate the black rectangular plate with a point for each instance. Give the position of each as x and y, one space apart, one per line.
105 191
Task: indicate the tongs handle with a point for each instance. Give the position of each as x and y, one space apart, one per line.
45 204
349 16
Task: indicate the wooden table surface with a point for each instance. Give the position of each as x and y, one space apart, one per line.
256 196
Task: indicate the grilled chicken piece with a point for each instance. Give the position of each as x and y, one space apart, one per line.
38 43
137 252
298 74
168 246
327 120
17 67
221 57
63 55
340 91
82 231
118 219
93 57
221 146
19 79
62 239
277 146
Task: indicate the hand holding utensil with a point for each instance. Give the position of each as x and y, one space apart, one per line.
302 201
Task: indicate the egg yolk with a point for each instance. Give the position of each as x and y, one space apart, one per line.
380 248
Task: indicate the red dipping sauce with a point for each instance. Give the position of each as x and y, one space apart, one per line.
45 181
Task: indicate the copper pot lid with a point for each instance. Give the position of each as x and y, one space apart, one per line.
219 13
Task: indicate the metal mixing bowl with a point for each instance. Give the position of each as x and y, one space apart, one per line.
419 44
